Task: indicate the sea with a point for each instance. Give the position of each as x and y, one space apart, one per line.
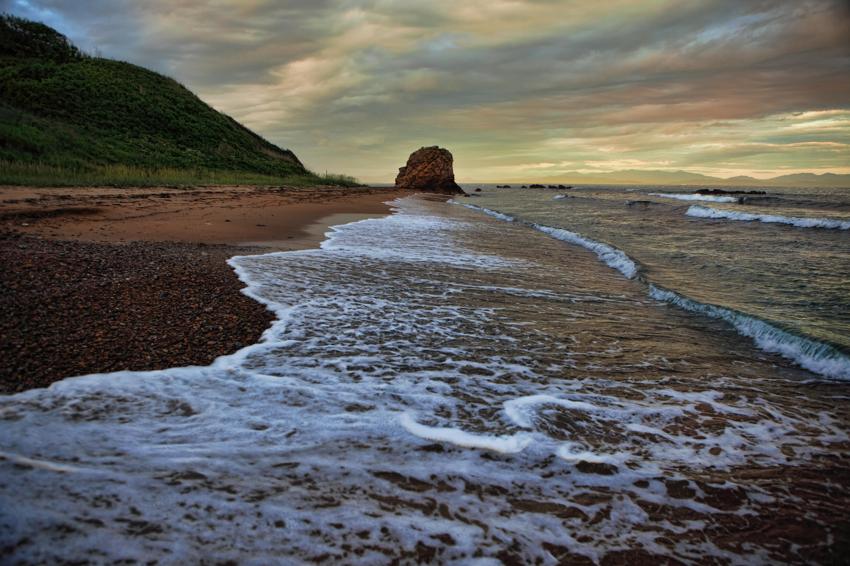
594 375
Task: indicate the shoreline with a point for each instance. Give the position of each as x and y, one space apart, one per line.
98 280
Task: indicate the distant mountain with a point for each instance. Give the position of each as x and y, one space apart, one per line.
811 179
68 118
650 177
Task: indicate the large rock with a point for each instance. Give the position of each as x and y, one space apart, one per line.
429 169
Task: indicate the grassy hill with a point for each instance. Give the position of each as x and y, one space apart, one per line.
70 119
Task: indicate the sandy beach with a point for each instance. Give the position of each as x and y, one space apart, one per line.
88 271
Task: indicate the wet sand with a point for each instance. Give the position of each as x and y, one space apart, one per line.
103 279
281 218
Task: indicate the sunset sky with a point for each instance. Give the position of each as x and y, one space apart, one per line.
517 90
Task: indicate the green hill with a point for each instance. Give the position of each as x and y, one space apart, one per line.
70 119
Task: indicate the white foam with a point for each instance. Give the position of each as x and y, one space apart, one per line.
559 197
493 213
574 452
813 355
714 213
510 444
609 255
708 198
521 411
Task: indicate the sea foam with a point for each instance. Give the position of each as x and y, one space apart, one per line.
714 213
610 256
505 444
487 211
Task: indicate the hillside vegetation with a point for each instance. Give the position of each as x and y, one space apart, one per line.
67 118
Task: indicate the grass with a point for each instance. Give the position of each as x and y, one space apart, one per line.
42 174
70 119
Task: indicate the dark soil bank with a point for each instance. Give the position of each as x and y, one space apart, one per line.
71 308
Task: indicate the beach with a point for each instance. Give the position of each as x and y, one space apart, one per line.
379 283
106 279
443 385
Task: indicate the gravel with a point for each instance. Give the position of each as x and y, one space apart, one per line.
72 308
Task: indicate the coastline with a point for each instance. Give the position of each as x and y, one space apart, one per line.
104 279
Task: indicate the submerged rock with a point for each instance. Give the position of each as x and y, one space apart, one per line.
642 203
429 169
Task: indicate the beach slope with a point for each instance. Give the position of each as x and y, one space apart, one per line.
104 279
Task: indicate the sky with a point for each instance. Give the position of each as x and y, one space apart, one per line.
517 90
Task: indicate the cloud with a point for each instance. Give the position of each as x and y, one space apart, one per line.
355 85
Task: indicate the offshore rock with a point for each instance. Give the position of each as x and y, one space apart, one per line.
429 169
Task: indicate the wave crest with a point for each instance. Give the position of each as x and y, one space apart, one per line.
707 198
714 213
609 255
812 355
493 213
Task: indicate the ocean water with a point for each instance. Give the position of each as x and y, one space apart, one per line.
777 264
445 385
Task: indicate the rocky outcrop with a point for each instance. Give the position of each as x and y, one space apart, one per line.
429 169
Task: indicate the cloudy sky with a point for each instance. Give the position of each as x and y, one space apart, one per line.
516 89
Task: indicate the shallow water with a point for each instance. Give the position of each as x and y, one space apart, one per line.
441 385
781 258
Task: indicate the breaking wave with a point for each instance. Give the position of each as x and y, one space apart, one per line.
609 255
708 212
493 213
707 198
812 355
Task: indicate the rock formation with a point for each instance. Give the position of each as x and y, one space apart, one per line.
429 169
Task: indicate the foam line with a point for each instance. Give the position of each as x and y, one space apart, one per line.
812 355
493 213
521 411
708 198
609 255
714 213
504 444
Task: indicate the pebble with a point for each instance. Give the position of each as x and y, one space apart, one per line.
71 308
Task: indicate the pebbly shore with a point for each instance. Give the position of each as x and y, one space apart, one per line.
71 308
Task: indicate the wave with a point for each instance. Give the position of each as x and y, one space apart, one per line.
714 213
559 197
708 198
810 354
493 213
609 255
